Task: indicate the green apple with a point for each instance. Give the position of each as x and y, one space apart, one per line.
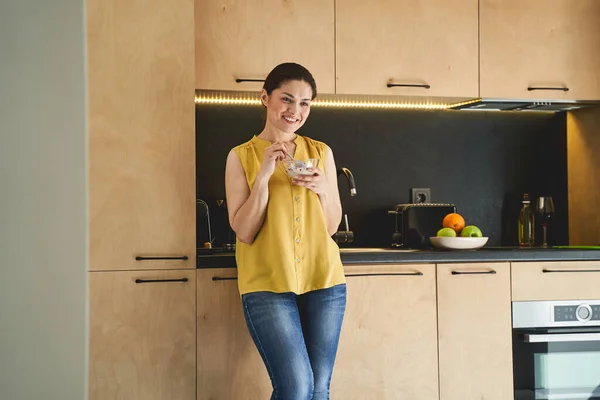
447 232
471 231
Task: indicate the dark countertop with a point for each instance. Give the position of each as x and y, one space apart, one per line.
380 256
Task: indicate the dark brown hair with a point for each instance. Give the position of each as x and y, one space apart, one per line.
289 72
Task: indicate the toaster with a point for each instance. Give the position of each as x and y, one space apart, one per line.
415 223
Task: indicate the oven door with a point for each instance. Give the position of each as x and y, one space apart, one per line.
557 363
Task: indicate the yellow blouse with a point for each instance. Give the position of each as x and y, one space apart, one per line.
293 251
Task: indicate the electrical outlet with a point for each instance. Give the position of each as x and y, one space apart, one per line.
421 195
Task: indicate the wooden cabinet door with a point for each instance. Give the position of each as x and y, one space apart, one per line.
388 345
141 133
238 39
475 331
539 44
407 42
555 280
142 335
229 365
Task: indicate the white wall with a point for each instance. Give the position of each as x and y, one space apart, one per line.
43 200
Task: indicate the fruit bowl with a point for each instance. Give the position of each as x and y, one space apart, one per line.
300 167
458 243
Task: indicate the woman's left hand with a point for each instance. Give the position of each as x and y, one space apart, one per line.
317 182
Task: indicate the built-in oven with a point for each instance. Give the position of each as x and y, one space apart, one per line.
556 350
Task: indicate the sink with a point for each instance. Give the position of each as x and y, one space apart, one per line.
375 250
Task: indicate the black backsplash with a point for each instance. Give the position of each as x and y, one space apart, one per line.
481 161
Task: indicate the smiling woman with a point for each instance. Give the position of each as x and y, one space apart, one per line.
290 274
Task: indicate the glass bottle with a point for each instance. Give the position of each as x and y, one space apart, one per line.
526 223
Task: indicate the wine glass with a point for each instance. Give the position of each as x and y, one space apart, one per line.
545 210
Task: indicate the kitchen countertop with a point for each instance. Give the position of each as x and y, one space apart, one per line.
381 255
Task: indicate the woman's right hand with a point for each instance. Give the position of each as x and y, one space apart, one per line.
273 154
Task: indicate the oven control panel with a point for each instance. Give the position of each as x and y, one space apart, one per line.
581 312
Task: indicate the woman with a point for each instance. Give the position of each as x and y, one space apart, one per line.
290 275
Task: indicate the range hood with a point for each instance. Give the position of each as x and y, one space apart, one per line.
490 104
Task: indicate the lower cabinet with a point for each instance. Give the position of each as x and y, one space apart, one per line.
475 331
142 335
388 346
229 366
411 331
555 280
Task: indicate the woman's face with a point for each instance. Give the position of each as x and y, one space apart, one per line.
288 106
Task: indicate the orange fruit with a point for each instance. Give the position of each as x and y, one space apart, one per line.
454 221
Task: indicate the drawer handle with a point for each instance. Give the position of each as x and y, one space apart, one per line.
138 258
160 280
219 278
424 85
547 271
567 337
240 80
389 274
564 89
490 272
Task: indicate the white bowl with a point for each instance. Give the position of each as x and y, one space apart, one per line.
458 243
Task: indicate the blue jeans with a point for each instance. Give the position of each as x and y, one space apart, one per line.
297 337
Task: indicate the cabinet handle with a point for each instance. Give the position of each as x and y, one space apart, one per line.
547 271
424 85
473 272
564 89
160 280
240 80
389 274
138 258
219 278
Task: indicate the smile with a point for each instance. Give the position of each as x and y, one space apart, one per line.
290 120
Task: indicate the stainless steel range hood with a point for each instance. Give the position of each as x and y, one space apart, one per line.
488 104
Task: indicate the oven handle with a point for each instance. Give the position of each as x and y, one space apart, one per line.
565 337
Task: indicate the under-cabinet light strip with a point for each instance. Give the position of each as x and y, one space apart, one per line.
225 98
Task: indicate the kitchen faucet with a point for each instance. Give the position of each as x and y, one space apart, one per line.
346 236
349 178
207 245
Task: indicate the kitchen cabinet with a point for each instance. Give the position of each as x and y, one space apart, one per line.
583 168
141 134
142 335
431 44
556 280
540 44
229 366
474 331
388 344
245 40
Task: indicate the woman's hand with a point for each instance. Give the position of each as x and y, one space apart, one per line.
317 182
273 154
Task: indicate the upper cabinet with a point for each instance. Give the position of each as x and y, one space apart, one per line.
141 134
546 49
407 47
239 42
